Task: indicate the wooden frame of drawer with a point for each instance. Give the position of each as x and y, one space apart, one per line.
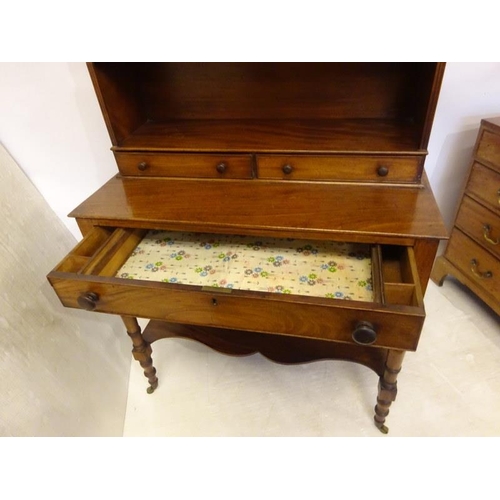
86 278
373 168
215 166
480 224
484 186
462 251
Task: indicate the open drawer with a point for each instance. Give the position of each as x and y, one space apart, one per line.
351 293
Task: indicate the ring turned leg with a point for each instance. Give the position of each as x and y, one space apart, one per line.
141 351
387 388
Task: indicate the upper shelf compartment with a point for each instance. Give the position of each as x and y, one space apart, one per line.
268 107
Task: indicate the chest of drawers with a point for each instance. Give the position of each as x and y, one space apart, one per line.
473 252
317 167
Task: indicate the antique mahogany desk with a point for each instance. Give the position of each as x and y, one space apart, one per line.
280 208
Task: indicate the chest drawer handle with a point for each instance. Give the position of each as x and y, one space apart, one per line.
221 168
364 333
287 169
486 274
88 300
498 194
487 235
142 166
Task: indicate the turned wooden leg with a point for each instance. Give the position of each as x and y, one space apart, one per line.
387 388
141 351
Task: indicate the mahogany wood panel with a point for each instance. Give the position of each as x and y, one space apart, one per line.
425 253
350 168
185 165
271 136
396 326
484 186
472 218
278 348
84 225
349 212
281 90
426 98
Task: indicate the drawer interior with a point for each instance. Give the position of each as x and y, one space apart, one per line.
399 276
272 265
101 252
335 270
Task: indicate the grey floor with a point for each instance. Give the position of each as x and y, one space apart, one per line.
449 387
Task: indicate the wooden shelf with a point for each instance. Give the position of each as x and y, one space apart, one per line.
279 136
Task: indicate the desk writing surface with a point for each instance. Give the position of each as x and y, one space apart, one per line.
360 212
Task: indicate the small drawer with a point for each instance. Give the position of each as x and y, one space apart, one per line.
484 184
480 224
340 168
475 262
489 149
185 165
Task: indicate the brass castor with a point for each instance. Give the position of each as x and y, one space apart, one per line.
381 427
152 388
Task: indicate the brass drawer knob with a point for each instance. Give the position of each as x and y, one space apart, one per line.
287 169
88 300
364 333
487 235
142 166
382 171
474 268
221 167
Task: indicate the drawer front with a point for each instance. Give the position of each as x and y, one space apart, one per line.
86 279
398 330
484 184
480 224
185 165
475 262
489 149
340 168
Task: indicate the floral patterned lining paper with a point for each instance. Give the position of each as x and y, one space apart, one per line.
313 268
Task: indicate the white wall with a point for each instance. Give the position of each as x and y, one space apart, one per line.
63 372
52 125
50 122
470 92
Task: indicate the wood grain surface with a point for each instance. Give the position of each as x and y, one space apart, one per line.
349 212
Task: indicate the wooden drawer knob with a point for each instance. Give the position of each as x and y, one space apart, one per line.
364 333
142 166
287 169
221 168
382 171
88 300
